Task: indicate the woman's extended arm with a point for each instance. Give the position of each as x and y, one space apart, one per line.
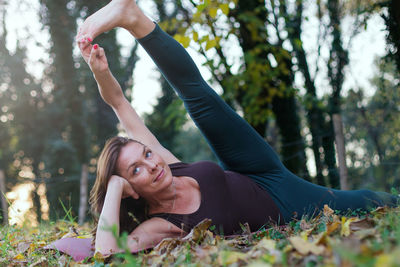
148 234
112 94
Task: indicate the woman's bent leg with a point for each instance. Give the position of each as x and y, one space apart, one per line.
237 145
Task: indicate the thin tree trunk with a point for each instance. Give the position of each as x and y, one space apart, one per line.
36 202
341 151
4 204
84 194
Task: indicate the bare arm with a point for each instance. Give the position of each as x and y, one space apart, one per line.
112 94
146 235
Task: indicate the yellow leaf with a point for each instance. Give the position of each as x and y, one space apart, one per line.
99 257
84 236
268 244
305 247
224 8
211 44
345 231
213 12
229 257
332 227
195 36
197 15
178 37
384 260
32 248
205 38
185 41
19 257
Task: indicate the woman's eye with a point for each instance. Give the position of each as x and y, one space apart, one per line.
148 154
136 170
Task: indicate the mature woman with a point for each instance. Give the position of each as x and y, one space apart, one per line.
143 188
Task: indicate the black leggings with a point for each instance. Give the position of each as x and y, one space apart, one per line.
238 146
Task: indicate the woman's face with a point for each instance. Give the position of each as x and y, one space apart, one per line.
144 169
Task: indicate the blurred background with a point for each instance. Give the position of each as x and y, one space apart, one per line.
319 80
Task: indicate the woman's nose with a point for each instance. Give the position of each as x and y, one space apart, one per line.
152 165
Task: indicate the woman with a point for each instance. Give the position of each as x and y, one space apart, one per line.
252 186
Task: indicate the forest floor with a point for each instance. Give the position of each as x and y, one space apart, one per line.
330 239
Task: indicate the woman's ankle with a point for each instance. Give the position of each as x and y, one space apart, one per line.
141 26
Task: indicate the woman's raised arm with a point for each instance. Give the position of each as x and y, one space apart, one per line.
112 94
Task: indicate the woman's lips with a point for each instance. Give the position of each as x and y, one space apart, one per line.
159 175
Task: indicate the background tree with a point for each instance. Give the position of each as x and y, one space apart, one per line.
373 124
264 83
392 20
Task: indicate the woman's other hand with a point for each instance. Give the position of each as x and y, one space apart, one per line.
123 184
93 55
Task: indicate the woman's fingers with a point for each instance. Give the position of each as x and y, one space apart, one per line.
101 52
94 54
85 46
97 59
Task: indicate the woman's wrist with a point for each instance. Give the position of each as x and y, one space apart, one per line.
102 75
115 183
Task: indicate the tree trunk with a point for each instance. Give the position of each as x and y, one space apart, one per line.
314 112
256 50
36 203
83 194
338 59
341 151
328 143
292 151
4 203
393 25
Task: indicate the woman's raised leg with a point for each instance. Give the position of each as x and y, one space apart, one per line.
237 145
118 13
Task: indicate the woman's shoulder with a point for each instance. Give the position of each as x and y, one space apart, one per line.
197 164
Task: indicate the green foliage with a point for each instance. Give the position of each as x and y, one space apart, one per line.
265 71
373 124
68 212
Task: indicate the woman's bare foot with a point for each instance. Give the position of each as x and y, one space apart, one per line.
118 13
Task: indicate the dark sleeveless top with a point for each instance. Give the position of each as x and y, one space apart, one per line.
227 198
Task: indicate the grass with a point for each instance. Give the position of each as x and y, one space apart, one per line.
330 239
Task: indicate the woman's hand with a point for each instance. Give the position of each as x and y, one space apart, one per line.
123 184
93 55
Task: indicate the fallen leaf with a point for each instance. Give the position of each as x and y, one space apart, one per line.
365 233
384 260
62 260
167 245
22 247
365 223
19 257
345 230
305 247
328 211
229 257
331 227
198 231
267 244
39 261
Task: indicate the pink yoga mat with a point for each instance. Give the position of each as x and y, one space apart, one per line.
77 248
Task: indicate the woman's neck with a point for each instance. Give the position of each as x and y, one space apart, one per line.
164 202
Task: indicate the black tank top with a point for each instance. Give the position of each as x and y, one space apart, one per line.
227 198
